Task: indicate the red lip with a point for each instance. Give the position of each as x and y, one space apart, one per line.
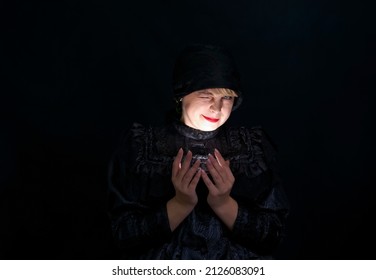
210 119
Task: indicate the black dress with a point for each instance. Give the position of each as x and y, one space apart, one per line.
140 185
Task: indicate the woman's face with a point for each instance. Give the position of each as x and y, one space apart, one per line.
206 110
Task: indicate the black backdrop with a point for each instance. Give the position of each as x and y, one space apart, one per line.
76 74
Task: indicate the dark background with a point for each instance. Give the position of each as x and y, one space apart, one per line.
76 74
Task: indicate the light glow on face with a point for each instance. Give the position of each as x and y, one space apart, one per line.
207 109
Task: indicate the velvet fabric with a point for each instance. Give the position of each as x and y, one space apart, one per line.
202 66
140 186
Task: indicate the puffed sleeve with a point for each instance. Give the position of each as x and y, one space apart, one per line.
137 224
263 204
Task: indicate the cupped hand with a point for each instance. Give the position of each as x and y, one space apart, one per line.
223 180
185 178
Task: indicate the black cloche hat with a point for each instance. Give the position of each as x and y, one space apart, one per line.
201 66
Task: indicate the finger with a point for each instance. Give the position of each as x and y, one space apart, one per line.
225 164
187 178
196 178
186 163
209 184
220 159
214 169
177 162
214 162
228 170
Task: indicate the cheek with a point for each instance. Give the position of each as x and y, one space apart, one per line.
196 108
192 111
227 110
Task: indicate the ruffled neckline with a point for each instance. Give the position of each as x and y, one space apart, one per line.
194 133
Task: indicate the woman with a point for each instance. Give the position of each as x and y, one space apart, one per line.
198 188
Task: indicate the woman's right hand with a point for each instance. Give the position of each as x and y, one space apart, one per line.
185 179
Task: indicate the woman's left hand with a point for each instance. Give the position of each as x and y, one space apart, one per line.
223 180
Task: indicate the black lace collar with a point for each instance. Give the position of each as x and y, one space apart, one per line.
194 133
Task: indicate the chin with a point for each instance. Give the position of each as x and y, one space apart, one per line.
209 127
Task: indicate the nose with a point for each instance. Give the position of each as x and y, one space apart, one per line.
216 105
